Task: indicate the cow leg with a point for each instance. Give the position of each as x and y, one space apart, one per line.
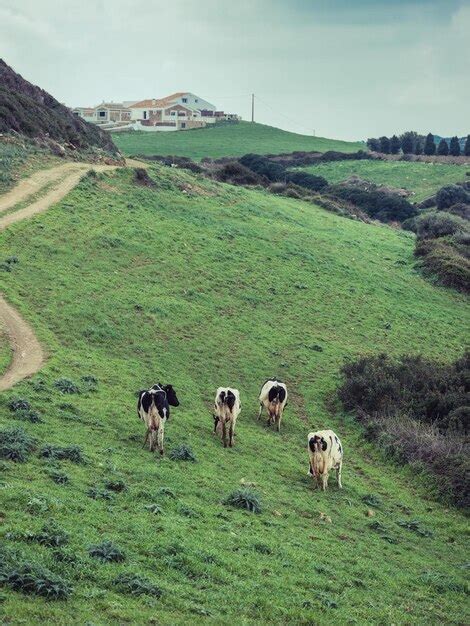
224 433
146 438
152 441
216 421
324 481
260 410
230 435
278 424
160 437
338 474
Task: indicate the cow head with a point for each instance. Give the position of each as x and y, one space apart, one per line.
318 444
171 395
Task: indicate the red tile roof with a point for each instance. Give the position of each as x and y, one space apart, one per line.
159 103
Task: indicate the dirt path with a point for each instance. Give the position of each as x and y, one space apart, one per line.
28 355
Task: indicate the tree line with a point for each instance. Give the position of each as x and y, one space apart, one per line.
413 143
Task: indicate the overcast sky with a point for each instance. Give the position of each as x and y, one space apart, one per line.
344 68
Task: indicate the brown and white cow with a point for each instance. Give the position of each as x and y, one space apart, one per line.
273 397
325 453
226 410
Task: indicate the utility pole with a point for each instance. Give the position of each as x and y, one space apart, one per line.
252 107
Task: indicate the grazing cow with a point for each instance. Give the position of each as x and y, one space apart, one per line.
153 408
325 452
273 398
226 409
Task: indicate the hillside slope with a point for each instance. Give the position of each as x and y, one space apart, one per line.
226 140
197 283
31 111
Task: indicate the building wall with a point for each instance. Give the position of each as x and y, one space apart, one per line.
195 102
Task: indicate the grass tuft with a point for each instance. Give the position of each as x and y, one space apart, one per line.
107 551
244 499
136 585
182 453
15 445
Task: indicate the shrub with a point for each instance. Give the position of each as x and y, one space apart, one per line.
277 188
237 174
15 445
107 551
117 485
438 224
30 578
182 453
416 410
19 404
379 205
136 585
309 181
60 478
66 386
442 259
56 453
50 535
461 210
97 493
451 194
141 177
264 167
244 499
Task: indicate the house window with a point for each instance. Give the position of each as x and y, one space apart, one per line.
183 125
172 113
102 113
145 115
184 99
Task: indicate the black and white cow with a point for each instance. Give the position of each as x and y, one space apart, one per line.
273 397
226 410
153 408
325 453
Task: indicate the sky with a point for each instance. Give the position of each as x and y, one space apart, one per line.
347 69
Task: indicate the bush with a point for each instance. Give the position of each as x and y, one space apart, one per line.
57 453
434 225
309 181
451 194
277 188
237 174
379 205
141 177
182 453
264 167
461 210
66 386
15 445
50 535
244 499
416 411
60 478
117 485
442 259
19 404
136 585
30 578
108 552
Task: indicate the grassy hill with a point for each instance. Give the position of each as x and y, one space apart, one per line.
423 179
200 284
226 140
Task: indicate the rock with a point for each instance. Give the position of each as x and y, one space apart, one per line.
370 513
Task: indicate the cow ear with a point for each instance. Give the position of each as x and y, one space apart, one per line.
168 387
324 445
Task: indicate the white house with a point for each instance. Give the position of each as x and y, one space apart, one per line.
178 111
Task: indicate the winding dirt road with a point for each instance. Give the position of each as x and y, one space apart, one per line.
28 355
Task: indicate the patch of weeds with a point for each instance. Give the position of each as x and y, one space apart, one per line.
186 511
416 527
116 485
244 499
182 453
153 508
262 548
30 578
66 386
37 506
38 385
65 556
442 583
383 531
58 453
372 500
15 445
90 383
97 493
60 478
19 404
107 551
327 601
50 535
166 491
136 585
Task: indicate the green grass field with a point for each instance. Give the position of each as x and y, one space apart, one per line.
423 179
225 140
19 159
222 285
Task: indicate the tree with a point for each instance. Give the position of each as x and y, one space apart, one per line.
385 145
408 141
443 148
466 149
429 144
373 144
454 148
395 144
419 146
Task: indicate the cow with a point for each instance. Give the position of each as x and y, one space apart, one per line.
325 453
273 398
226 410
153 408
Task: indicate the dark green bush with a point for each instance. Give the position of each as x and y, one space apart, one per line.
379 205
97 493
116 484
15 445
107 551
451 194
136 585
50 535
30 578
309 181
182 453
263 166
237 174
443 260
57 453
60 478
19 404
244 499
66 386
438 224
